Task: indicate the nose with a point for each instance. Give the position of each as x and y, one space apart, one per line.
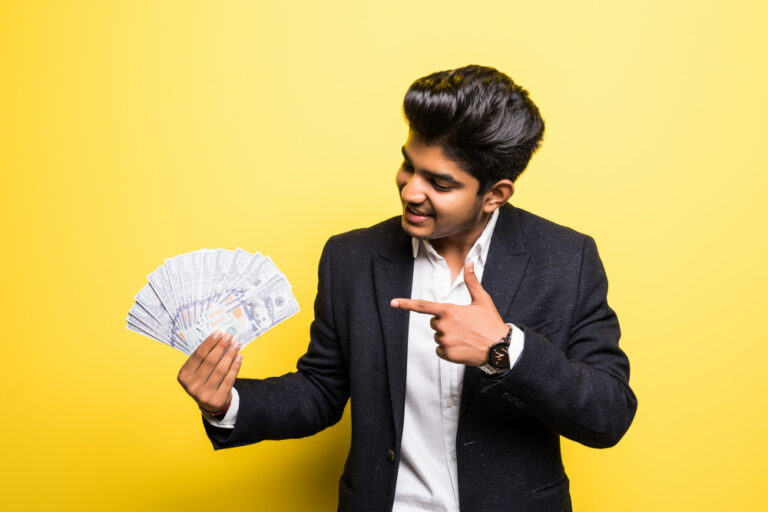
414 190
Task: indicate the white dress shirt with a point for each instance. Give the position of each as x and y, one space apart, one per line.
427 477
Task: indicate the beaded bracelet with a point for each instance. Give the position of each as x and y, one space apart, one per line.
220 413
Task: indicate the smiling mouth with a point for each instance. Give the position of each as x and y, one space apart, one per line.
416 217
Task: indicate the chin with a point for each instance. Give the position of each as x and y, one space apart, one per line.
415 232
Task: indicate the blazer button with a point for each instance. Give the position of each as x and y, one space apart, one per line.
391 455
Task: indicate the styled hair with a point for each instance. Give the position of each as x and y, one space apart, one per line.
479 117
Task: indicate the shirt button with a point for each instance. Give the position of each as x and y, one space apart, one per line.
391 455
449 402
453 455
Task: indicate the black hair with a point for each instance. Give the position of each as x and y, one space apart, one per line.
479 117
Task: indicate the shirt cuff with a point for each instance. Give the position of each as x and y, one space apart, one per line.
516 343
228 421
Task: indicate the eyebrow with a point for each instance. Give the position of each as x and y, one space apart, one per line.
434 174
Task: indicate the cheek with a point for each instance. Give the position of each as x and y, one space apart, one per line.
459 205
455 203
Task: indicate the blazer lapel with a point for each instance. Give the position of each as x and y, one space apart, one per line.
503 272
393 277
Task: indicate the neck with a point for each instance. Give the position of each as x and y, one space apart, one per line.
455 248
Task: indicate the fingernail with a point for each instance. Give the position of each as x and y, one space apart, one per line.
216 335
228 336
394 303
471 266
236 345
238 358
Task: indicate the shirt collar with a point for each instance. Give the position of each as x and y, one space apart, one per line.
480 248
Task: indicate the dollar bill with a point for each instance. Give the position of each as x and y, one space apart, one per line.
248 316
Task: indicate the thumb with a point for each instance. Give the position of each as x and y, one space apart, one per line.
476 290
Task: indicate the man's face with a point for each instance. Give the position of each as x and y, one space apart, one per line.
440 200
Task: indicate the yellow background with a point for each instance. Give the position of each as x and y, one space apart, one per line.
134 131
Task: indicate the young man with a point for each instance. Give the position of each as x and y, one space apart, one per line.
459 390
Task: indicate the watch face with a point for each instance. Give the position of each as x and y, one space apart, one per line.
499 356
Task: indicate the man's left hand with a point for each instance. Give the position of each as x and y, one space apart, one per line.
463 333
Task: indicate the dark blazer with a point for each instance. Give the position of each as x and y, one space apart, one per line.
571 378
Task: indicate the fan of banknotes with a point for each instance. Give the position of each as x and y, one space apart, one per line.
194 294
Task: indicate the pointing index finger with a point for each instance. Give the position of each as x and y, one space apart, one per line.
419 306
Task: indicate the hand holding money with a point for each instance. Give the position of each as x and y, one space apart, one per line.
227 298
210 372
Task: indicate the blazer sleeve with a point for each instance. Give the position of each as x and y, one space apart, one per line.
583 392
300 403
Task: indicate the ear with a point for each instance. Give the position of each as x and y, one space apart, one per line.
497 195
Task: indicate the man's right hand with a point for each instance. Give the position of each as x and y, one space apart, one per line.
210 372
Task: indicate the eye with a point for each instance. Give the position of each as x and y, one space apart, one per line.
440 188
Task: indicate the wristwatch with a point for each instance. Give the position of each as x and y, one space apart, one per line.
498 355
